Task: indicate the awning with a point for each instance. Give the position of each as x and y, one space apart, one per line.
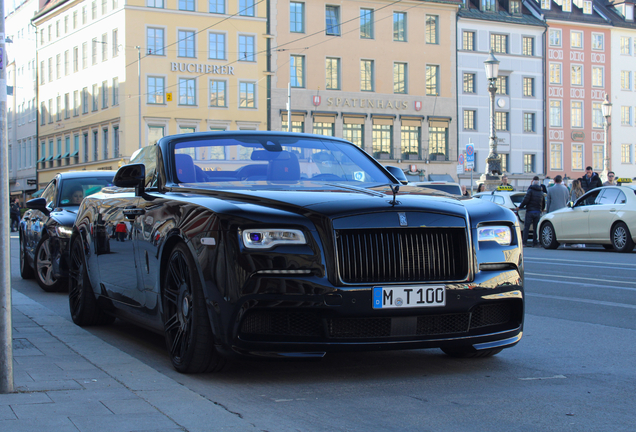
440 177
65 155
49 158
75 153
41 159
57 156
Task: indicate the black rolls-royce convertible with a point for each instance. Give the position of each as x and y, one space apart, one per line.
282 244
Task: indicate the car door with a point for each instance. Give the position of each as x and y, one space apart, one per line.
575 223
38 219
604 213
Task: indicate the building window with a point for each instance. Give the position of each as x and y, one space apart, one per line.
432 80
58 108
332 17
501 120
502 85
105 143
218 93
382 140
626 153
555 37
566 5
186 44
76 103
515 7
186 5
597 76
154 3
104 94
488 5
556 156
352 132
597 41
400 78
577 75
626 80
399 26
94 10
323 129
104 47
296 17
66 63
469 83
94 51
297 127
247 95
187 91
155 133
576 114
75 59
468 41
156 90
438 143
86 152
246 48
366 23
85 100
155 41
528 87
116 141
528 163
95 146
555 113
528 45
366 75
555 73
216 44
597 156
597 115
297 70
246 8
333 73
410 140
115 43
528 122
58 66
432 21
115 91
626 45
499 43
469 119
577 156
626 115
576 39
50 69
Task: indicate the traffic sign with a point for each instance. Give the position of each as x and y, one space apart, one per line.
470 156
460 164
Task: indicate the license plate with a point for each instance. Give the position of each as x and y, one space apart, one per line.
409 296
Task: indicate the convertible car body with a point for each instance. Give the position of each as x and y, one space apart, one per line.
281 244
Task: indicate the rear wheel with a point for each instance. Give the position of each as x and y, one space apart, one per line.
26 271
83 306
548 236
187 327
621 238
470 352
44 267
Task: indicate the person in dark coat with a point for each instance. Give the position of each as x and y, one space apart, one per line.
533 202
15 215
590 180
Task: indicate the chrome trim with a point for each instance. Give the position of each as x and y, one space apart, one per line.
499 343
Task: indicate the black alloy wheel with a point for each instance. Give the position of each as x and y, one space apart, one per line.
26 271
621 238
44 267
82 303
470 352
548 236
188 333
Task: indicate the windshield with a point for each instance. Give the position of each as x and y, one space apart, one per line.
451 189
75 190
244 160
517 199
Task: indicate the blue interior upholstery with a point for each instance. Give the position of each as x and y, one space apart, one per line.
185 168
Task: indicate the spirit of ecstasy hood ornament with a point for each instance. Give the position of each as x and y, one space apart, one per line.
395 189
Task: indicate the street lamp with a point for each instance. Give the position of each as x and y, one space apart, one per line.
493 162
607 113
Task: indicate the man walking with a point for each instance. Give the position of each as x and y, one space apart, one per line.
15 215
590 180
533 202
558 195
611 179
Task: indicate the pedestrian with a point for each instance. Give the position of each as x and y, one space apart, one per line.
464 191
120 231
590 180
533 202
611 179
558 195
504 182
481 187
577 190
15 215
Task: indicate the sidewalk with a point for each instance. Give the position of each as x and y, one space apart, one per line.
66 379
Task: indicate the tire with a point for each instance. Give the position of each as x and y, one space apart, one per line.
26 271
621 238
470 352
82 303
548 236
44 267
188 333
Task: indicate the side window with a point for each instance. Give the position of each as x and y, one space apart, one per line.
148 157
621 198
498 199
608 196
50 193
588 199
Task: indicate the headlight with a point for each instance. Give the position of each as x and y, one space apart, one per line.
268 238
63 232
500 234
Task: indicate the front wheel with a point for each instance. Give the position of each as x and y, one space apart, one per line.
470 352
188 333
44 267
621 238
548 236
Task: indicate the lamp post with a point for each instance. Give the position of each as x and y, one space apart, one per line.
607 113
493 161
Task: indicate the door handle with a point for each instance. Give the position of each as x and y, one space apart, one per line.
132 213
586 210
613 210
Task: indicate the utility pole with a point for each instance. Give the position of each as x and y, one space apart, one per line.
289 125
139 86
6 339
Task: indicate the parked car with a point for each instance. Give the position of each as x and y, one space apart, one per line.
285 244
45 228
605 216
444 186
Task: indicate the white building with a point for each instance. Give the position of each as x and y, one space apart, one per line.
21 98
516 38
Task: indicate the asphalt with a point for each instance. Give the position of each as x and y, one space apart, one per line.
67 379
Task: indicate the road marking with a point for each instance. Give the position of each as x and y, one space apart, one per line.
596 302
544 378
584 284
587 265
574 261
584 278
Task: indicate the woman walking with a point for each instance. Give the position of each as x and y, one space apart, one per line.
577 190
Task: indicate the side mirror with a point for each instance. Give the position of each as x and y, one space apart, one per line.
38 204
570 204
397 173
132 175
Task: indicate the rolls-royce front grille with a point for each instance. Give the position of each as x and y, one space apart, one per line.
402 255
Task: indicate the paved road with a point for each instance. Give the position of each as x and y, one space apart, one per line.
572 371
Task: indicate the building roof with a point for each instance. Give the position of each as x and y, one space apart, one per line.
615 17
556 13
472 11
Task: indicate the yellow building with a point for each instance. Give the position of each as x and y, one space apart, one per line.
379 73
202 67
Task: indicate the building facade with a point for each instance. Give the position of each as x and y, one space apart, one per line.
378 73
21 99
515 36
114 76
